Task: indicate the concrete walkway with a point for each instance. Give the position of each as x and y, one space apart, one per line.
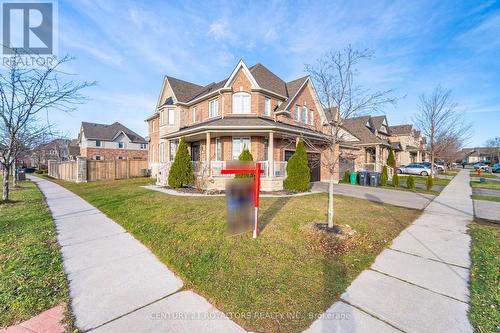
116 283
393 197
50 321
419 284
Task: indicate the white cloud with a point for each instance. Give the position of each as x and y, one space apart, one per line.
219 30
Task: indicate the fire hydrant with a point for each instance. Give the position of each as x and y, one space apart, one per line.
479 172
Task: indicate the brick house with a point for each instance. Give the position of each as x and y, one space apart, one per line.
412 144
109 142
251 108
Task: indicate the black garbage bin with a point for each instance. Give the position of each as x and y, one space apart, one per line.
364 178
374 178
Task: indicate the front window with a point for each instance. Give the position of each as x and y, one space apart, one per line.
171 117
267 106
266 148
304 115
218 149
241 102
97 158
120 144
97 143
173 149
213 108
143 146
239 144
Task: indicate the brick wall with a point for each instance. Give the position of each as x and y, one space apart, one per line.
111 154
154 137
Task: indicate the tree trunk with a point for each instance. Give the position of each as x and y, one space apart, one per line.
14 176
330 202
432 165
5 183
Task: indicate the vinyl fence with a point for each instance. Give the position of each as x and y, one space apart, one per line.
90 170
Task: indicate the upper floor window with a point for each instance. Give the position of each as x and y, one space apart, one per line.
98 158
297 112
213 108
171 117
121 144
162 117
97 143
311 118
304 115
267 106
195 114
152 126
241 102
143 146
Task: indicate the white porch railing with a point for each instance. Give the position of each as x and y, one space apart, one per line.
279 169
162 174
199 167
216 167
264 165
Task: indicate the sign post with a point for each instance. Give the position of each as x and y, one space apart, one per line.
257 171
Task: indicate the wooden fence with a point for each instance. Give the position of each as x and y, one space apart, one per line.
98 170
63 170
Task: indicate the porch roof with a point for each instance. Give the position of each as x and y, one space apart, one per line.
240 124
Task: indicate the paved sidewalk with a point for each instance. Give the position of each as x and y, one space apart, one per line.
116 283
393 197
419 284
49 321
487 210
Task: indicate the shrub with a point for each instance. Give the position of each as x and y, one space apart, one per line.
429 183
181 172
298 175
391 161
346 176
395 180
410 183
384 176
245 156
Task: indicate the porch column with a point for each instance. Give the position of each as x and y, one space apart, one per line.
207 150
418 156
167 151
377 157
270 155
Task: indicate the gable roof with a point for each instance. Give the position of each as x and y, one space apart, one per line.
292 88
183 90
268 80
109 132
401 129
358 127
378 122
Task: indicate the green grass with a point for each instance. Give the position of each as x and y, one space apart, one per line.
487 185
289 270
423 180
403 188
32 279
485 278
483 175
485 197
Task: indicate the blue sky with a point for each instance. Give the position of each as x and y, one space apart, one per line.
129 46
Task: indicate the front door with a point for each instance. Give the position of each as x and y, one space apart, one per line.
195 151
313 161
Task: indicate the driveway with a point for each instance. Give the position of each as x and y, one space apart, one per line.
392 197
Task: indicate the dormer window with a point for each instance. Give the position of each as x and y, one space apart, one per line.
241 102
121 144
97 143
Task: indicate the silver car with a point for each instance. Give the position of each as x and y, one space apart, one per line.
415 169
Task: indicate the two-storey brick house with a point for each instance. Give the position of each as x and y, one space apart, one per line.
252 108
413 144
109 142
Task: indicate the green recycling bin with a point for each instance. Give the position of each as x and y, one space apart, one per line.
353 178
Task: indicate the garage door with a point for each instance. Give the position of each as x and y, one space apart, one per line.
313 161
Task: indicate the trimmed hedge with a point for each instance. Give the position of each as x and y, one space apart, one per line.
384 176
181 172
298 174
429 183
395 180
410 183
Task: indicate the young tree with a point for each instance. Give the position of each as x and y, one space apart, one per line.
245 156
384 176
438 119
27 93
181 172
334 76
410 182
494 145
297 169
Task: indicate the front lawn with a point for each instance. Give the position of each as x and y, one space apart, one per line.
485 185
423 180
485 278
277 283
483 175
485 197
32 279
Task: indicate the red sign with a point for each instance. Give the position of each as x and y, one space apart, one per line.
257 171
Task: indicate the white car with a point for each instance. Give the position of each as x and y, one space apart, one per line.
414 169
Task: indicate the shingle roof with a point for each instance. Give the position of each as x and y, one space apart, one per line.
401 129
184 90
357 127
109 132
378 122
268 80
292 87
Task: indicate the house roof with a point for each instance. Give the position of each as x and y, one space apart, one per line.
184 90
378 121
109 132
396 145
401 129
233 122
358 127
74 148
268 80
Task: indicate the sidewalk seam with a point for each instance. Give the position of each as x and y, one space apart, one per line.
371 315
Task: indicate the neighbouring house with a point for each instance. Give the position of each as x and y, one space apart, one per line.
109 142
73 149
55 150
251 108
480 154
411 142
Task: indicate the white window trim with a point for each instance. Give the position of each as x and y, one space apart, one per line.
171 116
311 117
303 114
238 94
195 111
267 106
297 113
210 103
218 149
123 145
96 156
241 150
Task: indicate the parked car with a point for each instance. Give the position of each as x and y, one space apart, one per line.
495 167
415 169
437 167
28 170
481 166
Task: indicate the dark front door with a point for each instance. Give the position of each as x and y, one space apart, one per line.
313 161
195 151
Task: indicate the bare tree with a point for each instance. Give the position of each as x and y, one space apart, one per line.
448 149
334 76
494 145
441 122
26 93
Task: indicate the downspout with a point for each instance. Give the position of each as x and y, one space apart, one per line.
223 104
